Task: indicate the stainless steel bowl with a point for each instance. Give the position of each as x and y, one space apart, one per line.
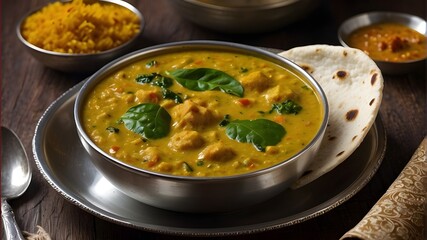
242 3
244 16
198 194
81 63
366 19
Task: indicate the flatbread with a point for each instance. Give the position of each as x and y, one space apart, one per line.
353 85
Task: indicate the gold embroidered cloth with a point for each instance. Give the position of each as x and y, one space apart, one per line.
401 212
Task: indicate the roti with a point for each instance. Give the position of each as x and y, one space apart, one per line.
353 85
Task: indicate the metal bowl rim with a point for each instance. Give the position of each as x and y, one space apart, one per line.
193 44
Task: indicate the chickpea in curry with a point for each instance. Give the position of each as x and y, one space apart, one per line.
202 113
390 42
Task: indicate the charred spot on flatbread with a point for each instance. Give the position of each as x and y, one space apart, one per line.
307 68
340 153
331 138
344 53
374 78
351 115
372 101
354 138
340 74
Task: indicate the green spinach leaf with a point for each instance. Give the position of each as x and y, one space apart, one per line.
148 119
260 132
204 79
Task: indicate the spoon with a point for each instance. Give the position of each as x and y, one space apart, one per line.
15 179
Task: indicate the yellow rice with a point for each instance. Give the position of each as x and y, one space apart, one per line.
77 27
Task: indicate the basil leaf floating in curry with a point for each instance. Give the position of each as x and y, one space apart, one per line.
286 107
147 119
260 132
155 79
204 79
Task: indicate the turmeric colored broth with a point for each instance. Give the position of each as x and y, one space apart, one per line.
197 145
390 42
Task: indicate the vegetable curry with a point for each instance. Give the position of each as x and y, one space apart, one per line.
202 113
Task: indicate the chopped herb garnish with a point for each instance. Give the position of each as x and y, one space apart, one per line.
225 121
163 82
151 63
187 167
168 94
155 79
112 129
286 107
200 163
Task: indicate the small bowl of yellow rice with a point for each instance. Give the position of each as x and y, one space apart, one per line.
76 37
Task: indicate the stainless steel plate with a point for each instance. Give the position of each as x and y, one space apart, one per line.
66 166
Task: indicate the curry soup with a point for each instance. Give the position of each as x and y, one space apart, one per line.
202 113
390 42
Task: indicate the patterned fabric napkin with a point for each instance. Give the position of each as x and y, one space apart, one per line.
401 212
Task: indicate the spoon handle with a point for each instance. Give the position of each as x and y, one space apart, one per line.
11 229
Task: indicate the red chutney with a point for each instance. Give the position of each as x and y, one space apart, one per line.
390 42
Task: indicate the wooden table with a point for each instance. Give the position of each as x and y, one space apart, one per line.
28 88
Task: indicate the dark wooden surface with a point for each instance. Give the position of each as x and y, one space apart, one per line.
28 88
